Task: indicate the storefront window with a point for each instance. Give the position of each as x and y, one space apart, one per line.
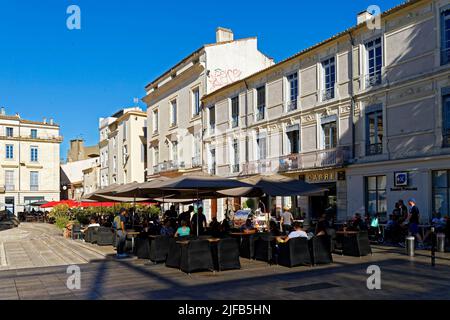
376 196
441 192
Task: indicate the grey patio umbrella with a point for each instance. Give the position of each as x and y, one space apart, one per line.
37 203
200 186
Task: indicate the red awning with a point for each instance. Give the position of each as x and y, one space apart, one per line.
70 203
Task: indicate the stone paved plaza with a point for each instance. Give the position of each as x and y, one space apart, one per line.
34 261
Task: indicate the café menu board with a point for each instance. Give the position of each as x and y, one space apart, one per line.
240 217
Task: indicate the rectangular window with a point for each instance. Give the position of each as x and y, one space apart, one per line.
125 130
329 78
9 151
155 155
9 180
34 154
173 112
155 121
260 103
292 91
374 62
235 167
125 154
196 102
293 139
9 132
235 112
376 202
212 119
261 143
329 132
175 151
374 135
445 36
446 120
33 133
441 192
213 161
34 181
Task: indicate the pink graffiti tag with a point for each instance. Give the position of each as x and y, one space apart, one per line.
219 78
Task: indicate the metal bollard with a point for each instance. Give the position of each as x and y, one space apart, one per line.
441 242
410 246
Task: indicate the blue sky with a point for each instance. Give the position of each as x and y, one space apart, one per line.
78 76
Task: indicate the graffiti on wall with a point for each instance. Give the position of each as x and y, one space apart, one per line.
219 77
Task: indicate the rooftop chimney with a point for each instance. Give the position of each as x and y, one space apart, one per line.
52 122
45 121
224 35
2 111
363 16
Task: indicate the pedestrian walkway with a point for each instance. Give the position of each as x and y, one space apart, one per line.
33 245
103 277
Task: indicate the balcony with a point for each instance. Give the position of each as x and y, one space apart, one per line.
292 105
31 137
196 162
168 166
374 149
316 159
260 114
328 94
235 121
258 167
375 79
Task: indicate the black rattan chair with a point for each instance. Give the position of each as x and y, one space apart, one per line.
91 235
264 246
159 249
174 254
294 253
356 245
320 248
226 255
196 256
105 236
247 246
142 247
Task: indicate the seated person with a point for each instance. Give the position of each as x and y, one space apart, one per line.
214 227
322 226
273 229
92 224
358 224
184 230
248 226
297 233
225 226
167 229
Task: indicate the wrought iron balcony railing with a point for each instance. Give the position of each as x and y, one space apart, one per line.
292 105
374 149
328 94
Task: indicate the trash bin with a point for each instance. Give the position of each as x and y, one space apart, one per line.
410 246
441 242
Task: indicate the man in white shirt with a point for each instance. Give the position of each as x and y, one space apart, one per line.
297 233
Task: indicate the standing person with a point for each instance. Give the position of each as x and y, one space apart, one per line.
322 225
286 220
119 224
414 218
397 212
199 219
403 210
186 216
